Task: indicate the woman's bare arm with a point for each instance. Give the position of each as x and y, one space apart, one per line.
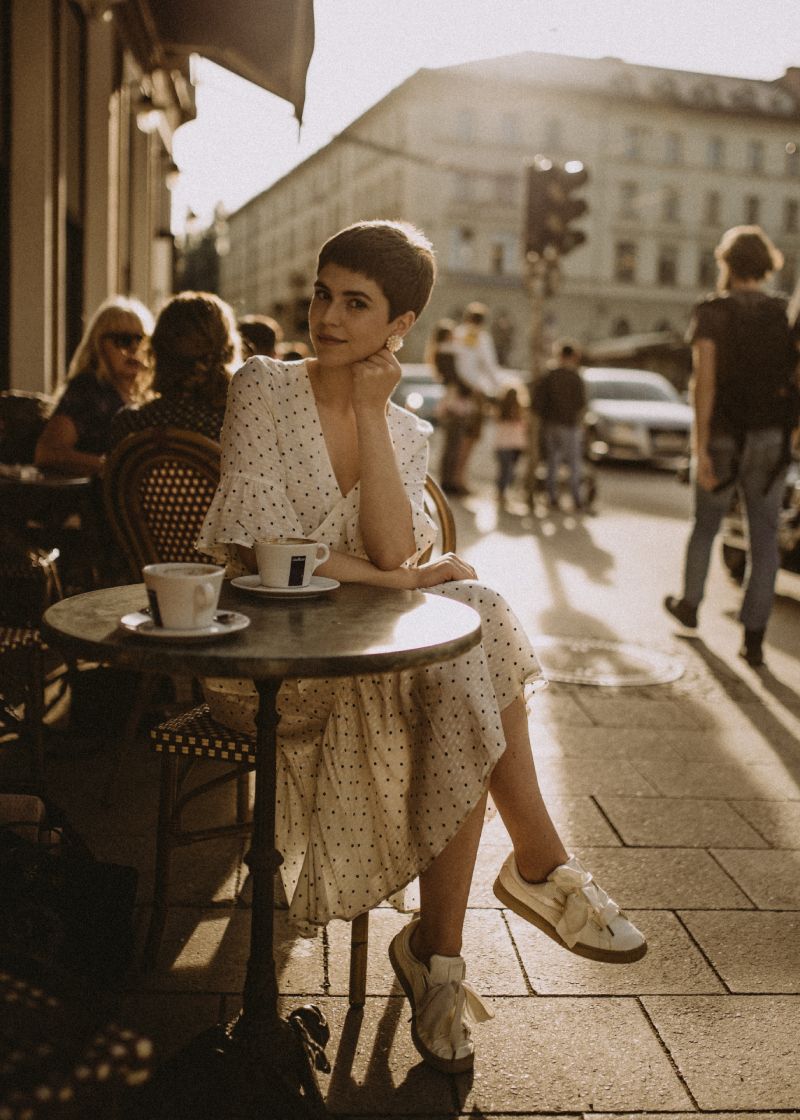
56 449
346 568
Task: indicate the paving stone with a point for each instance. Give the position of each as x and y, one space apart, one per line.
623 712
581 777
672 822
580 823
569 1055
554 705
710 779
663 878
211 871
169 1019
672 963
771 878
616 742
734 1052
778 822
208 949
684 1115
492 965
753 951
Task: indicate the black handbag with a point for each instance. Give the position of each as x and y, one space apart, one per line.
61 906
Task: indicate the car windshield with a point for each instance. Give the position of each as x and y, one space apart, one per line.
630 391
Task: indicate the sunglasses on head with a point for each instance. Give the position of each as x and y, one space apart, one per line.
125 340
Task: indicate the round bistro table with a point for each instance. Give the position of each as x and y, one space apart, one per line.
261 1064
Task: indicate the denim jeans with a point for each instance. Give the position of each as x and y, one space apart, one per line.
507 458
564 444
757 463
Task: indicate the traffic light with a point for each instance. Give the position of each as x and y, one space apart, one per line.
550 207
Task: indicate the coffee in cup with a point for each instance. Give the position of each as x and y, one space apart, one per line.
289 561
183 596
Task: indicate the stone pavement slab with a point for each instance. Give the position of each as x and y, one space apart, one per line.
169 1019
554 1054
609 709
770 878
753 951
777 821
672 964
734 1052
663 822
710 779
585 777
660 878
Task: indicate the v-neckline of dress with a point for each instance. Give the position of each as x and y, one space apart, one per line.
318 419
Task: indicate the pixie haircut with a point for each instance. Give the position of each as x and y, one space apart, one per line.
746 253
395 255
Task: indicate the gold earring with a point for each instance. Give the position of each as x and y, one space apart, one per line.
394 343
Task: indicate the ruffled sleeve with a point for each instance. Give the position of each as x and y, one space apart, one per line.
250 503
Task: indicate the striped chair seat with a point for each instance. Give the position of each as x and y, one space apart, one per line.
196 734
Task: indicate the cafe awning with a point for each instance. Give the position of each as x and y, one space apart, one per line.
268 42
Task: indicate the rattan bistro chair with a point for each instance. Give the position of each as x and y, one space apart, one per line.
194 735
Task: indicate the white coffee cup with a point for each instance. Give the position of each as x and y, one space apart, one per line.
183 596
289 561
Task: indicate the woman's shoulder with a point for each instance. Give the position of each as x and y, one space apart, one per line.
407 423
269 374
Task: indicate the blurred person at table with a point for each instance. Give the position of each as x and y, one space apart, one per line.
260 335
196 347
384 777
109 370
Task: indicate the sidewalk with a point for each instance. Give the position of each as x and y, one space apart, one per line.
684 799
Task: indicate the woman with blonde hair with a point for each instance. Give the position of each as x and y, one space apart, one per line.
110 369
196 347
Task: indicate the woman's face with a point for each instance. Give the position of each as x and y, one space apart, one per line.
348 319
124 352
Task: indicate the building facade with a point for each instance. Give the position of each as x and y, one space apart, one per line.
674 159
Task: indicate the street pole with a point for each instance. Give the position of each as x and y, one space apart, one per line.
536 273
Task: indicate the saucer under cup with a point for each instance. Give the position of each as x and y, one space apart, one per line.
183 597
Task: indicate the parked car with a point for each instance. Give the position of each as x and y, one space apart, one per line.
734 530
419 391
637 415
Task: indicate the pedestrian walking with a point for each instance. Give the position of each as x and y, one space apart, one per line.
745 399
476 366
383 778
559 399
510 439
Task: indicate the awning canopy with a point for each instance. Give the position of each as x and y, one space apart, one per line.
268 42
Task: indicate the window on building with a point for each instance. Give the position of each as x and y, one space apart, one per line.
463 186
620 328
712 213
505 190
632 142
673 148
625 262
706 269
629 199
791 209
793 161
465 125
509 128
667 266
663 325
503 249
670 205
752 210
715 152
462 241
755 155
553 135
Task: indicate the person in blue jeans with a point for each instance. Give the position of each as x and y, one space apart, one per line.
745 394
560 400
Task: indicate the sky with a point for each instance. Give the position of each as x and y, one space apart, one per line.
244 138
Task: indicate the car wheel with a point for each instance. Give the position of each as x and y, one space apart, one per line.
735 560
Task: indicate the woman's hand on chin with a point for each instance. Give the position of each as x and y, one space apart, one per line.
444 570
374 380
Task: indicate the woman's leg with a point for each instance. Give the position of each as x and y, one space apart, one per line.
515 790
444 890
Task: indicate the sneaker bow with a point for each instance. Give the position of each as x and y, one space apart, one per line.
446 1009
583 901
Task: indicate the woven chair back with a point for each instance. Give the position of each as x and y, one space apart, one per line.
157 487
438 508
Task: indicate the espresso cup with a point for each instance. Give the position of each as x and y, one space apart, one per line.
183 596
289 561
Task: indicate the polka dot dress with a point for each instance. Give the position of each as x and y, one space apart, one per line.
376 773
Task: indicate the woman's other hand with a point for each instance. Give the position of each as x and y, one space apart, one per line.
374 380
444 570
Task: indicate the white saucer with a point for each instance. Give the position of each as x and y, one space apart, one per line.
141 623
318 586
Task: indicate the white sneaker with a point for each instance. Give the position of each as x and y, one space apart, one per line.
443 1005
572 909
